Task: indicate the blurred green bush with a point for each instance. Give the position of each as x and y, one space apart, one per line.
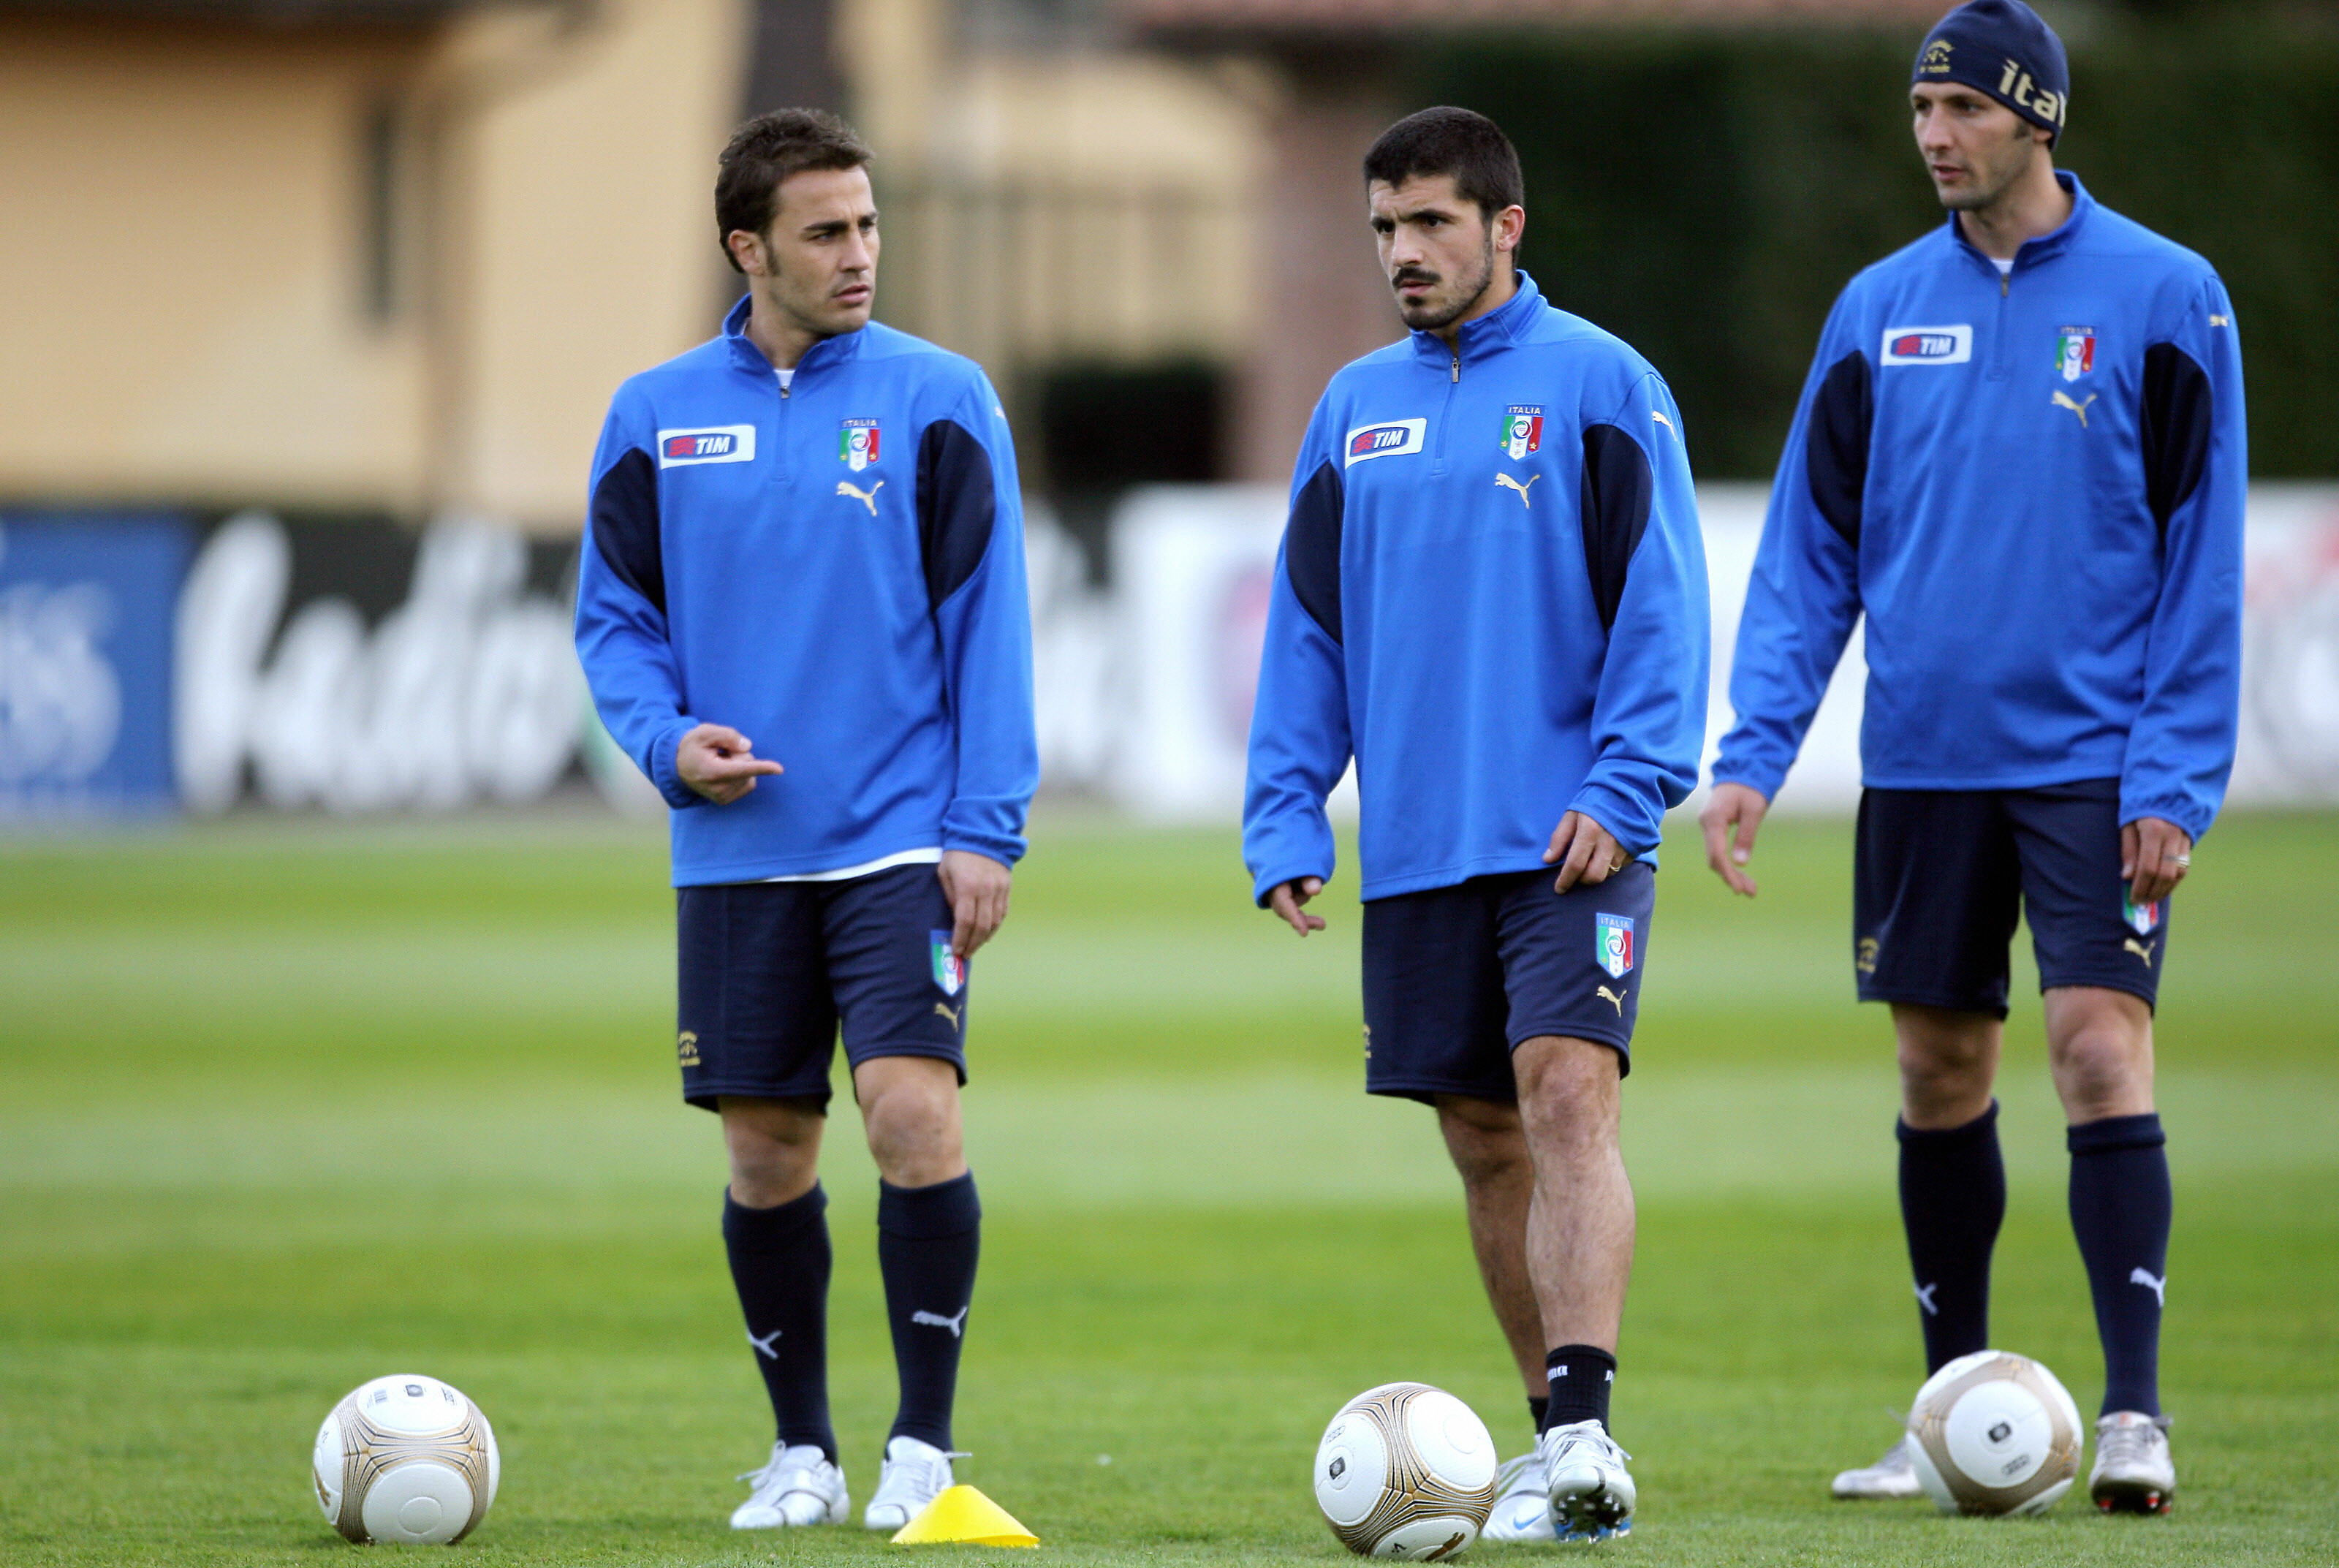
1705 196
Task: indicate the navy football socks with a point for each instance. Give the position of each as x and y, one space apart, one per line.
1582 1376
780 1261
928 1238
1952 1201
2120 1210
1538 1405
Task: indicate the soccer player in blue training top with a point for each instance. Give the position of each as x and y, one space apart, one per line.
2021 452
807 531
1491 594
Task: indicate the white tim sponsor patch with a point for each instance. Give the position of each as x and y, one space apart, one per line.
1928 345
1386 439
707 444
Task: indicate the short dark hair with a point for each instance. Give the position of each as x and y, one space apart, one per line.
765 152
1456 142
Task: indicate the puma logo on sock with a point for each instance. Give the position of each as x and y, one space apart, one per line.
957 1325
1925 1298
2159 1287
763 1346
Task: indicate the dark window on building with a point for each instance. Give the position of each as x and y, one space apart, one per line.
382 284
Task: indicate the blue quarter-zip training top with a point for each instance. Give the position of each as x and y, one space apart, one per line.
835 569
1490 592
2032 484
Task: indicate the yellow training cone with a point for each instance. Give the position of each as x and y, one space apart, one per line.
964 1513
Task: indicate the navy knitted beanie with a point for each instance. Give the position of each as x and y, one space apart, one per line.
2002 48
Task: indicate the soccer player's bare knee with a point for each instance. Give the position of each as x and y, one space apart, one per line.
1485 1141
773 1146
910 1110
1948 1063
1569 1097
2099 1045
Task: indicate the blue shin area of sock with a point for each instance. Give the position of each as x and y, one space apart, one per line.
780 1264
1952 1202
928 1240
2121 1207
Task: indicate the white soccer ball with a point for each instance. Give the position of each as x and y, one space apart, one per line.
405 1458
1406 1471
1995 1434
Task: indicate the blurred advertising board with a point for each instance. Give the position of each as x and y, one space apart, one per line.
359 667
85 666
149 665
1145 689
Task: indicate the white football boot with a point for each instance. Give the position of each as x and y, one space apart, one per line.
915 1474
797 1486
1894 1475
1592 1494
1522 1510
2133 1472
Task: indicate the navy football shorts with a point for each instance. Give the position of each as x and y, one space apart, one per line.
768 968
1942 876
1455 977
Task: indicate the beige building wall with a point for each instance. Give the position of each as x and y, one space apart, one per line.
588 193
183 317
185 257
1093 207
188 243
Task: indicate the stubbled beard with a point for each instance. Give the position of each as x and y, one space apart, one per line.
1974 198
1420 322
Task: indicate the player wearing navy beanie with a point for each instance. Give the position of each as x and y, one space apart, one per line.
2020 457
2004 49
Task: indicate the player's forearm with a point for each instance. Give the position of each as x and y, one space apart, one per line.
637 691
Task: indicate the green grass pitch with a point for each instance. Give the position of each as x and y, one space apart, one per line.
284 1108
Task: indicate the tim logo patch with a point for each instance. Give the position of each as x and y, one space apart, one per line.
1928 345
2143 919
950 969
1393 439
1612 944
709 444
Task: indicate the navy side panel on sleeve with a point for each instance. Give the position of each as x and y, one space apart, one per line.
1836 449
955 514
1312 548
624 524
1617 489
2177 413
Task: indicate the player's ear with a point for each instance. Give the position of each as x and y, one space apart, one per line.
1510 226
748 251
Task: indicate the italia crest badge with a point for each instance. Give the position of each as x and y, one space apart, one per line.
2143 919
856 443
2074 351
1522 429
1612 944
950 969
